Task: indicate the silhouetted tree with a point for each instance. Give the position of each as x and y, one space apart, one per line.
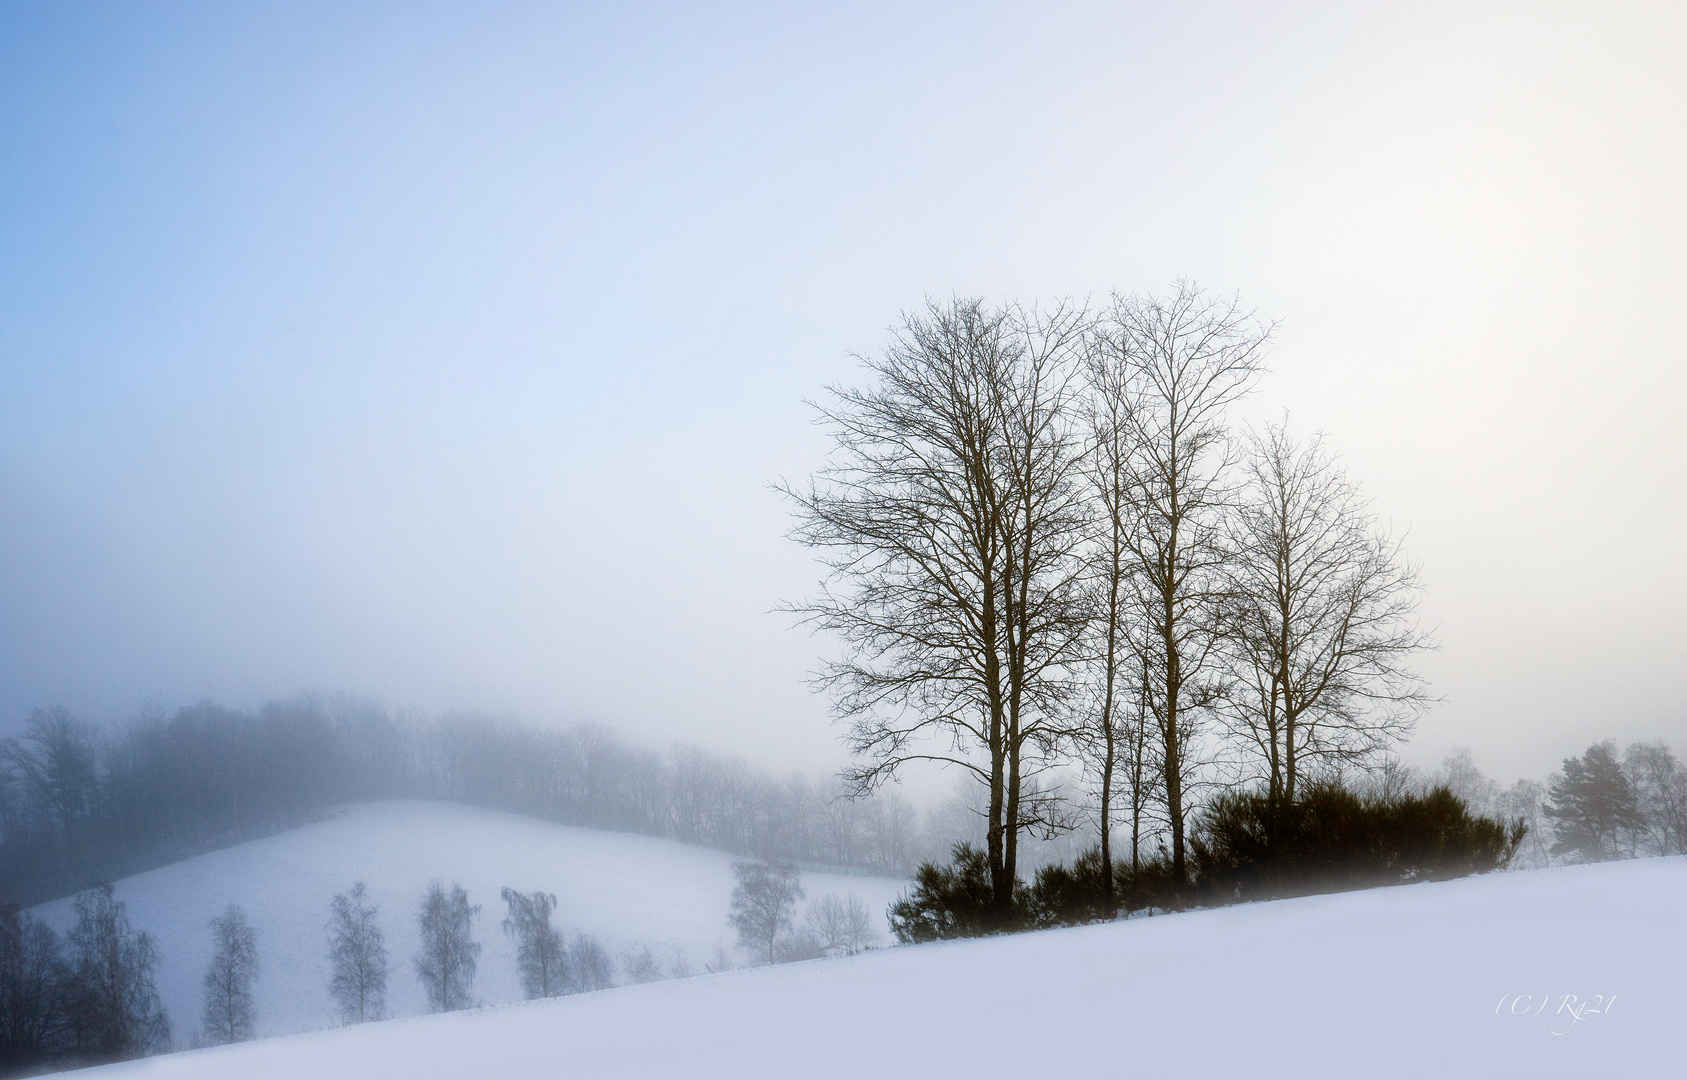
762 904
446 965
33 975
1321 630
951 901
358 950
112 1005
1591 804
951 516
230 1013
540 952
1175 364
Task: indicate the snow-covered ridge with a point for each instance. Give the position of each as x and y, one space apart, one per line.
1551 973
621 887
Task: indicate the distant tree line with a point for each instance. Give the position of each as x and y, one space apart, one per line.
81 804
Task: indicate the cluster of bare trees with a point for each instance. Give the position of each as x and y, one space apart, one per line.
87 999
763 911
1047 547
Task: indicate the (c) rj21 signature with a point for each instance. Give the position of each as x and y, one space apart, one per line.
1571 1010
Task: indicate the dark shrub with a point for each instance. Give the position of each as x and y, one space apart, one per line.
1063 896
1334 839
952 901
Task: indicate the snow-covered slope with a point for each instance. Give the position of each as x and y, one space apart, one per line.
1417 981
621 887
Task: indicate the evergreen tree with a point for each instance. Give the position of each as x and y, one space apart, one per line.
358 950
230 1015
1591 803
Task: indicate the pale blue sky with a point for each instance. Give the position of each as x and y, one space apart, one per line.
444 352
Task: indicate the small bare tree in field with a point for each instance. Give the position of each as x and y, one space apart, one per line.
841 924
1322 620
446 965
540 952
230 1014
358 950
762 904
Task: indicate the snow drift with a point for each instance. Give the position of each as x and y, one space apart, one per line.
1549 973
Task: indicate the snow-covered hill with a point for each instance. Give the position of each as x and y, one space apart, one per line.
622 888
1472 978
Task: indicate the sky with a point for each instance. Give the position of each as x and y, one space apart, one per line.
445 353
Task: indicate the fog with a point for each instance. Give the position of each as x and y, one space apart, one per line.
445 354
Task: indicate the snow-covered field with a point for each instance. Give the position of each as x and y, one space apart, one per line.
622 888
1416 981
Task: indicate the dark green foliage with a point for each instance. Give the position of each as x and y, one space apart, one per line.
1150 885
1066 896
953 901
1592 806
1334 839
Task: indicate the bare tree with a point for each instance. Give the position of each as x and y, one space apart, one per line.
446 965
1172 365
358 950
540 952
230 1014
112 1004
588 965
950 513
639 961
32 981
841 924
1660 786
762 903
1322 626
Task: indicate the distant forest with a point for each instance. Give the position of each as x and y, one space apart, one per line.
80 804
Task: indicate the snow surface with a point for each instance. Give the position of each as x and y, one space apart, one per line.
1414 981
621 887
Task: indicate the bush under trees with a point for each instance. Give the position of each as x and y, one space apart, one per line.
1330 839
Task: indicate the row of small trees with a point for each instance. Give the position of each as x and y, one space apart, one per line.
92 997
1046 548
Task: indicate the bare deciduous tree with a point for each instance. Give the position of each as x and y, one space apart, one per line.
841 924
1660 787
358 950
588 965
762 903
32 981
446 965
950 514
230 1014
1172 365
540 952
1322 627
112 1004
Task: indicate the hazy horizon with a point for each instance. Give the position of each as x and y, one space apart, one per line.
446 354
